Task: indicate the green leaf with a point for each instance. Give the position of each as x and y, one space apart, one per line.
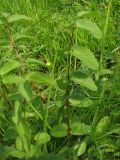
18 154
22 129
86 56
26 90
115 130
10 133
62 83
83 80
5 151
28 114
42 138
18 143
77 101
5 14
15 96
15 116
26 143
1 22
12 79
17 17
105 72
20 36
79 128
24 132
9 66
89 26
41 78
49 157
103 124
82 13
35 61
59 130
81 148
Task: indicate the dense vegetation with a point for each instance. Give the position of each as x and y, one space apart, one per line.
59 79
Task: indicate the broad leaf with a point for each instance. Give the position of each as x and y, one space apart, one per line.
81 149
62 83
83 80
5 14
77 101
22 129
12 79
89 26
18 154
86 56
41 78
10 133
19 36
49 157
103 124
15 117
82 13
26 90
105 72
1 22
35 61
5 152
9 66
42 138
17 17
24 133
26 143
79 128
28 114
59 130
18 143
15 96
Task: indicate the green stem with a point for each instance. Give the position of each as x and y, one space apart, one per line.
94 122
103 42
49 94
68 88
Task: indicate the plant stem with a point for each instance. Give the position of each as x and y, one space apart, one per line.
68 88
13 47
104 35
49 93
